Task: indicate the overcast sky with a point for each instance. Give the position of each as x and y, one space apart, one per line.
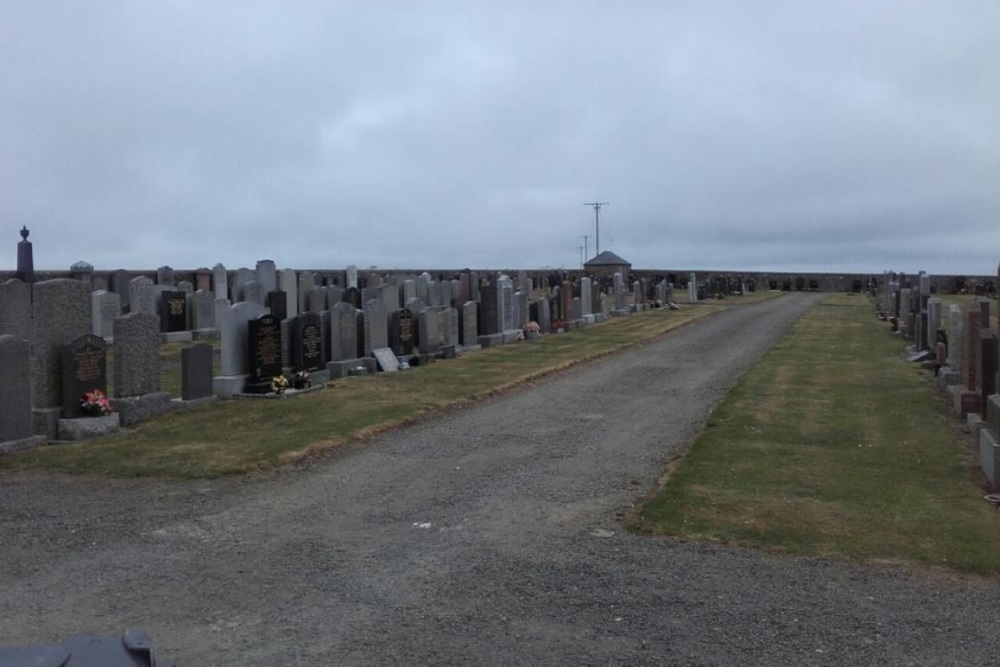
791 136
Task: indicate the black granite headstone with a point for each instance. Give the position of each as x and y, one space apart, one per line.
173 311
264 353
84 369
278 303
352 295
308 352
196 372
401 332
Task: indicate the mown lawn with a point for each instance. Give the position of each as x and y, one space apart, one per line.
834 445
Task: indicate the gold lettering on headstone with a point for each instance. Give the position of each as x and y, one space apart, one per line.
88 365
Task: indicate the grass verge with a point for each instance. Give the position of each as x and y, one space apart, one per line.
833 445
241 436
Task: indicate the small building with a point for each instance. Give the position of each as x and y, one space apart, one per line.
606 265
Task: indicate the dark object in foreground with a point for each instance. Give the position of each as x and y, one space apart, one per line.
132 649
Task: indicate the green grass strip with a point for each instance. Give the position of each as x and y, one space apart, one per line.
243 436
834 445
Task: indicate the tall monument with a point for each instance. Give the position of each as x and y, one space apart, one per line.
25 261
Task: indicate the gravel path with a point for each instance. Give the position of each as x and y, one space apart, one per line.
489 536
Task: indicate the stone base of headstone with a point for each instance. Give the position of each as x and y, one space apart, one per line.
948 376
989 458
992 415
22 445
176 337
511 336
975 423
424 359
590 319
469 348
181 404
86 428
964 400
339 369
205 334
288 393
45 422
449 351
620 313
227 386
358 370
532 335
134 409
262 387
490 340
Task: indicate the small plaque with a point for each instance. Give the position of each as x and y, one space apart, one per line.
386 359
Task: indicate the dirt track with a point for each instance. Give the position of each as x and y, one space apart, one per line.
488 536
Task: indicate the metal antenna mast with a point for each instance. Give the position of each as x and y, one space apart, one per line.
597 220
586 247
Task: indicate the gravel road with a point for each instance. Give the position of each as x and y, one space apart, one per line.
489 536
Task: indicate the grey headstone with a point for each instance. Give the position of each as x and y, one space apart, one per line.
451 327
352 276
428 331
307 280
343 332
15 390
106 308
137 354
234 332
505 303
408 290
61 311
240 279
267 275
253 292
220 282
185 286
165 276
386 360
142 295
196 372
317 300
15 309
586 296
544 315
469 330
203 310
119 285
378 323
288 282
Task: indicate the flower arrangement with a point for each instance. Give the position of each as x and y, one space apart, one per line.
279 383
558 325
96 404
531 327
301 380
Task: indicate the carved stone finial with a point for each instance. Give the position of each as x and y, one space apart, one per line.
24 232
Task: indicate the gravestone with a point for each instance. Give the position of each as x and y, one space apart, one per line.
408 290
316 300
15 394
586 297
119 285
468 332
378 324
267 275
137 354
352 277
352 295
489 318
288 283
307 280
566 301
242 276
253 292
428 331
173 311
165 276
203 310
343 332
233 331
505 303
307 353
385 359
450 329
325 318
544 316
388 295
202 279
106 308
142 295
277 302
61 311
84 369
402 332
15 309
196 372
263 353
220 282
